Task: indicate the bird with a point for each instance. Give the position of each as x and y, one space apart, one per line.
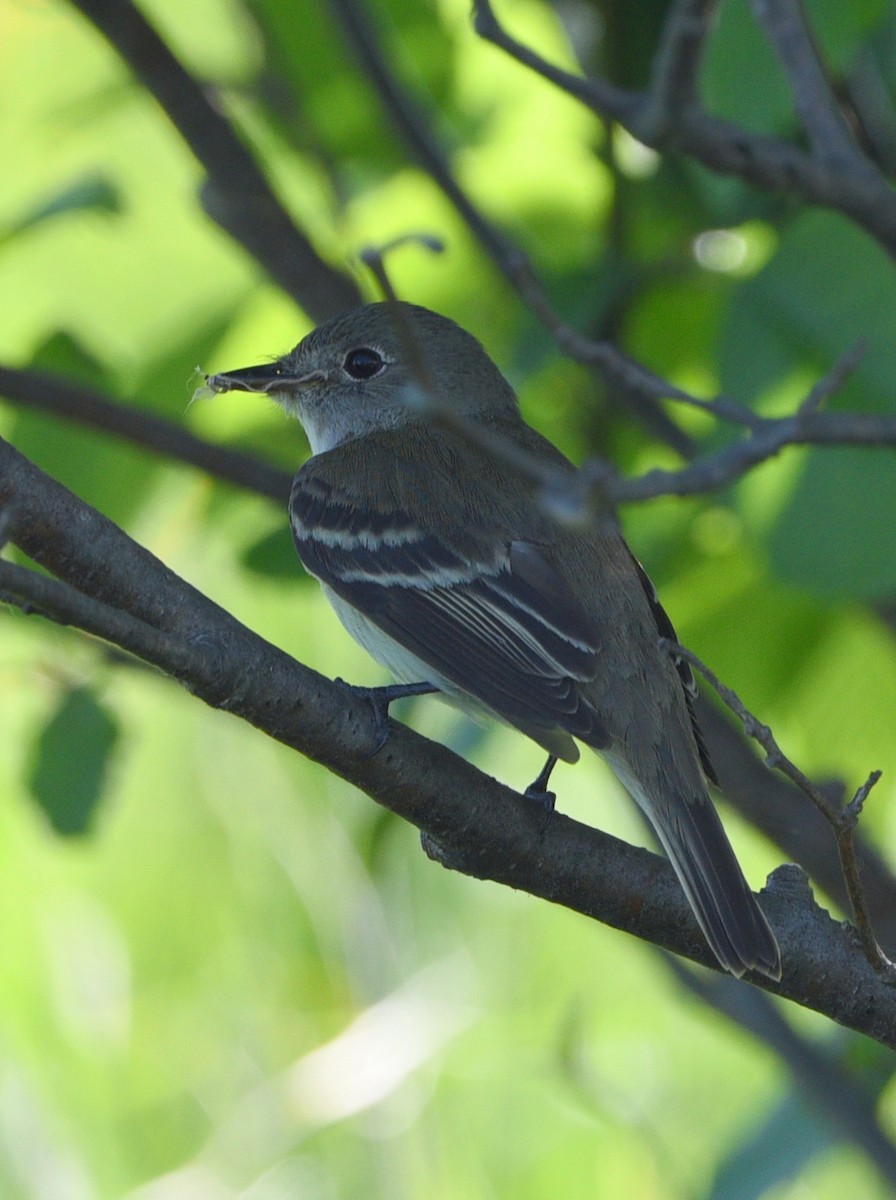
432 539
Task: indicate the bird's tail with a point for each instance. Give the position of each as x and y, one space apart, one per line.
692 836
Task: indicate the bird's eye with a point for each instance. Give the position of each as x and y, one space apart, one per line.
363 363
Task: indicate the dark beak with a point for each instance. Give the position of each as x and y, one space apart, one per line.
268 377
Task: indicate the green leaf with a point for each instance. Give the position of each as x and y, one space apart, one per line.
90 193
794 304
835 535
71 762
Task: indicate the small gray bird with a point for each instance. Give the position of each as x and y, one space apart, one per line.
444 563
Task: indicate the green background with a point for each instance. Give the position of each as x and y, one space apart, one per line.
225 973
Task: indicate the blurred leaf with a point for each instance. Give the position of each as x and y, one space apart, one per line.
840 28
795 1131
836 534
738 55
792 303
90 193
72 760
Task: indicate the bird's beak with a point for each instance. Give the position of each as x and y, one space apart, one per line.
269 377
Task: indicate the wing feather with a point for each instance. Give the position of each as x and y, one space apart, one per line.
503 627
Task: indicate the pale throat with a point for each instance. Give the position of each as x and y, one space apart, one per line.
329 425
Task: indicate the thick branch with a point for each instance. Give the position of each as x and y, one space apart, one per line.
237 195
498 835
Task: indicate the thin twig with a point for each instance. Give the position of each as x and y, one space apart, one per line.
842 821
833 381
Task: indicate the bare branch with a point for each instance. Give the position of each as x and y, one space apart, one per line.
734 461
614 103
785 25
237 195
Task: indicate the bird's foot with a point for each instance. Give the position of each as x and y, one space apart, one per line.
379 699
538 789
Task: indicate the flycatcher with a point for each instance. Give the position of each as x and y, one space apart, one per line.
447 566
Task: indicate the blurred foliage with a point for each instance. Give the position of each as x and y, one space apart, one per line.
245 980
71 761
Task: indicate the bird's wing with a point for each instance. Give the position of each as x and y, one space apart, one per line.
502 625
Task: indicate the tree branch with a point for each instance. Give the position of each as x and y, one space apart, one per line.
237 196
676 65
498 834
767 162
784 22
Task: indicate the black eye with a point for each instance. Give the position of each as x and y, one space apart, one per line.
363 363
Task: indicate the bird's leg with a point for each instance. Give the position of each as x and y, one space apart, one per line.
538 788
380 698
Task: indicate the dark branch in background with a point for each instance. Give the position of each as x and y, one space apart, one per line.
767 162
845 1102
44 392
676 65
843 821
832 142
496 833
236 196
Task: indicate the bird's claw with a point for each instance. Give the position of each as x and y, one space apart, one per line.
379 699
